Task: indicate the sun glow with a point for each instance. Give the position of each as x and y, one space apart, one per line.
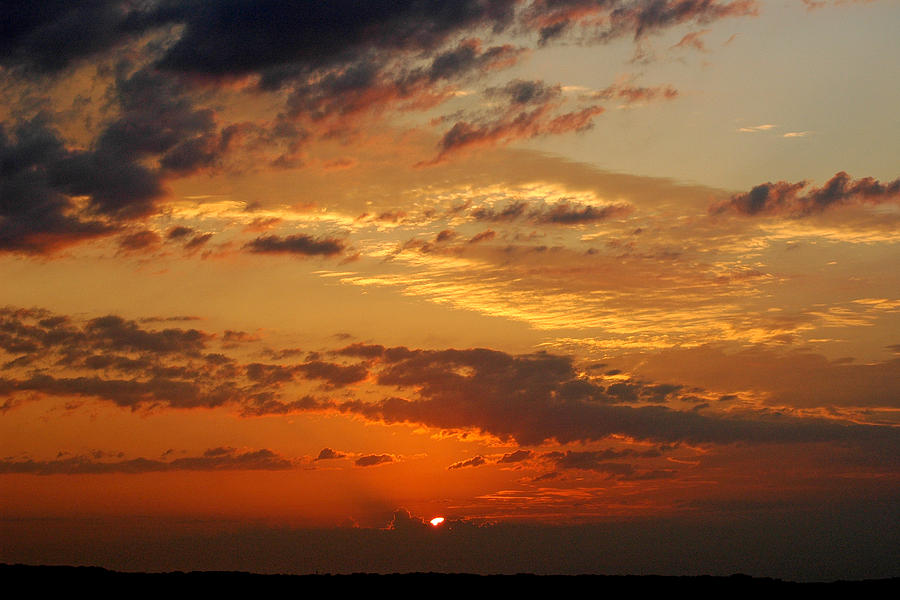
436 521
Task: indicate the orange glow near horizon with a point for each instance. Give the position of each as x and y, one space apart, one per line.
436 521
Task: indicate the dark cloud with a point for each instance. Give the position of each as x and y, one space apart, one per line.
243 36
336 375
604 20
329 454
475 461
790 199
371 460
48 37
337 60
532 399
174 393
600 461
403 521
561 213
468 57
36 212
198 241
179 232
214 459
484 236
168 319
520 122
514 457
529 399
42 175
280 39
362 350
565 213
634 391
641 18
300 244
115 333
139 241
510 212
113 359
795 378
39 331
519 92
370 84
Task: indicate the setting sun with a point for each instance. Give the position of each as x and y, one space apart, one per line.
436 521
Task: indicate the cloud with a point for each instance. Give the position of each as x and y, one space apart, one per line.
114 359
372 460
602 461
589 463
57 194
333 64
561 213
179 232
475 461
529 399
791 199
604 21
521 92
403 521
214 459
329 454
485 235
795 378
115 333
36 214
565 213
245 36
300 244
50 39
645 17
532 399
513 125
335 375
174 393
815 4
514 457
198 241
694 40
631 94
140 240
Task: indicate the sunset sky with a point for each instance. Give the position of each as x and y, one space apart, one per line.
617 276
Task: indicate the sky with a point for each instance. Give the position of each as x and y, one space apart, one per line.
610 285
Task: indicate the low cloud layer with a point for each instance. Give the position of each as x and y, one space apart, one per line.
531 399
799 200
214 459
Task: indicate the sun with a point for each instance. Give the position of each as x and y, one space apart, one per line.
436 521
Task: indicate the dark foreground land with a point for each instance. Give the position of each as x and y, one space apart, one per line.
37 578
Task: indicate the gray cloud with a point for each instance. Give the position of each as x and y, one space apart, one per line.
299 244
372 460
793 199
214 459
